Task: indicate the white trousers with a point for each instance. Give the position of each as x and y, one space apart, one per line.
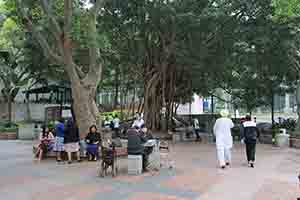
224 156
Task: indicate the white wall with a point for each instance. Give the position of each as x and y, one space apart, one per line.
196 107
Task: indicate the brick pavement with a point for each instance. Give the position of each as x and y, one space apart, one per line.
195 177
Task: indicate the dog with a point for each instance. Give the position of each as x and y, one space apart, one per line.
108 155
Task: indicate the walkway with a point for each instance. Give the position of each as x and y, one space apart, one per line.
195 177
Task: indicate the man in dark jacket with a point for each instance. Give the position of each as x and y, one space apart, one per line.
250 134
136 145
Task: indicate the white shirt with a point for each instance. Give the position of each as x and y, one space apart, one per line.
222 131
139 123
196 124
116 123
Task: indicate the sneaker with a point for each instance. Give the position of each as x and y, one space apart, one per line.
227 164
223 167
252 165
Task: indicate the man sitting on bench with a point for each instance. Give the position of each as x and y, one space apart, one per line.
135 145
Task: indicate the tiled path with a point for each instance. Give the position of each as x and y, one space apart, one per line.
195 177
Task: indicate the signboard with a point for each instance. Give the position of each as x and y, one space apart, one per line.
66 114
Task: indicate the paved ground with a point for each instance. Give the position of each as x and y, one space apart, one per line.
195 177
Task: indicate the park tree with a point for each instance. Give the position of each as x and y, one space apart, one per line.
60 28
289 12
172 41
20 59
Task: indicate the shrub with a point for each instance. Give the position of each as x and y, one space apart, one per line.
6 126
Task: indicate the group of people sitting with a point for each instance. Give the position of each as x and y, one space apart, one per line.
65 138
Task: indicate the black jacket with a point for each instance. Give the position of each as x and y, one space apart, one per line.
135 142
92 138
250 132
71 133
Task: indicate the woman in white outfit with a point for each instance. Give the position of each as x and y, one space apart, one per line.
222 131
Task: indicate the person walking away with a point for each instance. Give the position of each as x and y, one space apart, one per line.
196 129
116 122
71 141
135 145
250 134
93 140
224 141
59 139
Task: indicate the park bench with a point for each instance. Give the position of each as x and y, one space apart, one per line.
120 151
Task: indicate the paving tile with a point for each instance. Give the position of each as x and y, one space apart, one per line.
277 190
154 196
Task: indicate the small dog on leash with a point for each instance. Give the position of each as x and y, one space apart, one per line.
108 154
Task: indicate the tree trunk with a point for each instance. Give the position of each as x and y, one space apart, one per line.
152 103
116 89
272 110
85 108
28 112
9 106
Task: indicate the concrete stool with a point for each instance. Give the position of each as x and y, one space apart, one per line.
135 164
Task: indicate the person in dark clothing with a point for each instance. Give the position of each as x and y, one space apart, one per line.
93 140
71 140
135 145
250 134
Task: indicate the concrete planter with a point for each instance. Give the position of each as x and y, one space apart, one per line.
13 135
266 139
295 142
27 132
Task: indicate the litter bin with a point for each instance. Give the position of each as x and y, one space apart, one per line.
282 139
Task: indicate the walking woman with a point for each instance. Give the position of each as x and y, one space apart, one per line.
222 131
250 134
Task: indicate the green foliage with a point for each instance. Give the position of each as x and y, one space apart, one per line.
287 8
6 126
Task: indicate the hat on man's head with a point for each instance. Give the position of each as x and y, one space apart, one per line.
224 113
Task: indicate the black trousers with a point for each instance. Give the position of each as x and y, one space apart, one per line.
250 151
197 133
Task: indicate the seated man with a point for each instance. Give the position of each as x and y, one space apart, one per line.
135 145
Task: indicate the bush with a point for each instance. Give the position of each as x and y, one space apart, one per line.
8 126
288 124
110 114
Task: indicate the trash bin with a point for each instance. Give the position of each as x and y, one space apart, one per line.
282 139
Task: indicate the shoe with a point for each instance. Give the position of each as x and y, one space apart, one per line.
227 164
79 161
252 165
223 167
69 162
